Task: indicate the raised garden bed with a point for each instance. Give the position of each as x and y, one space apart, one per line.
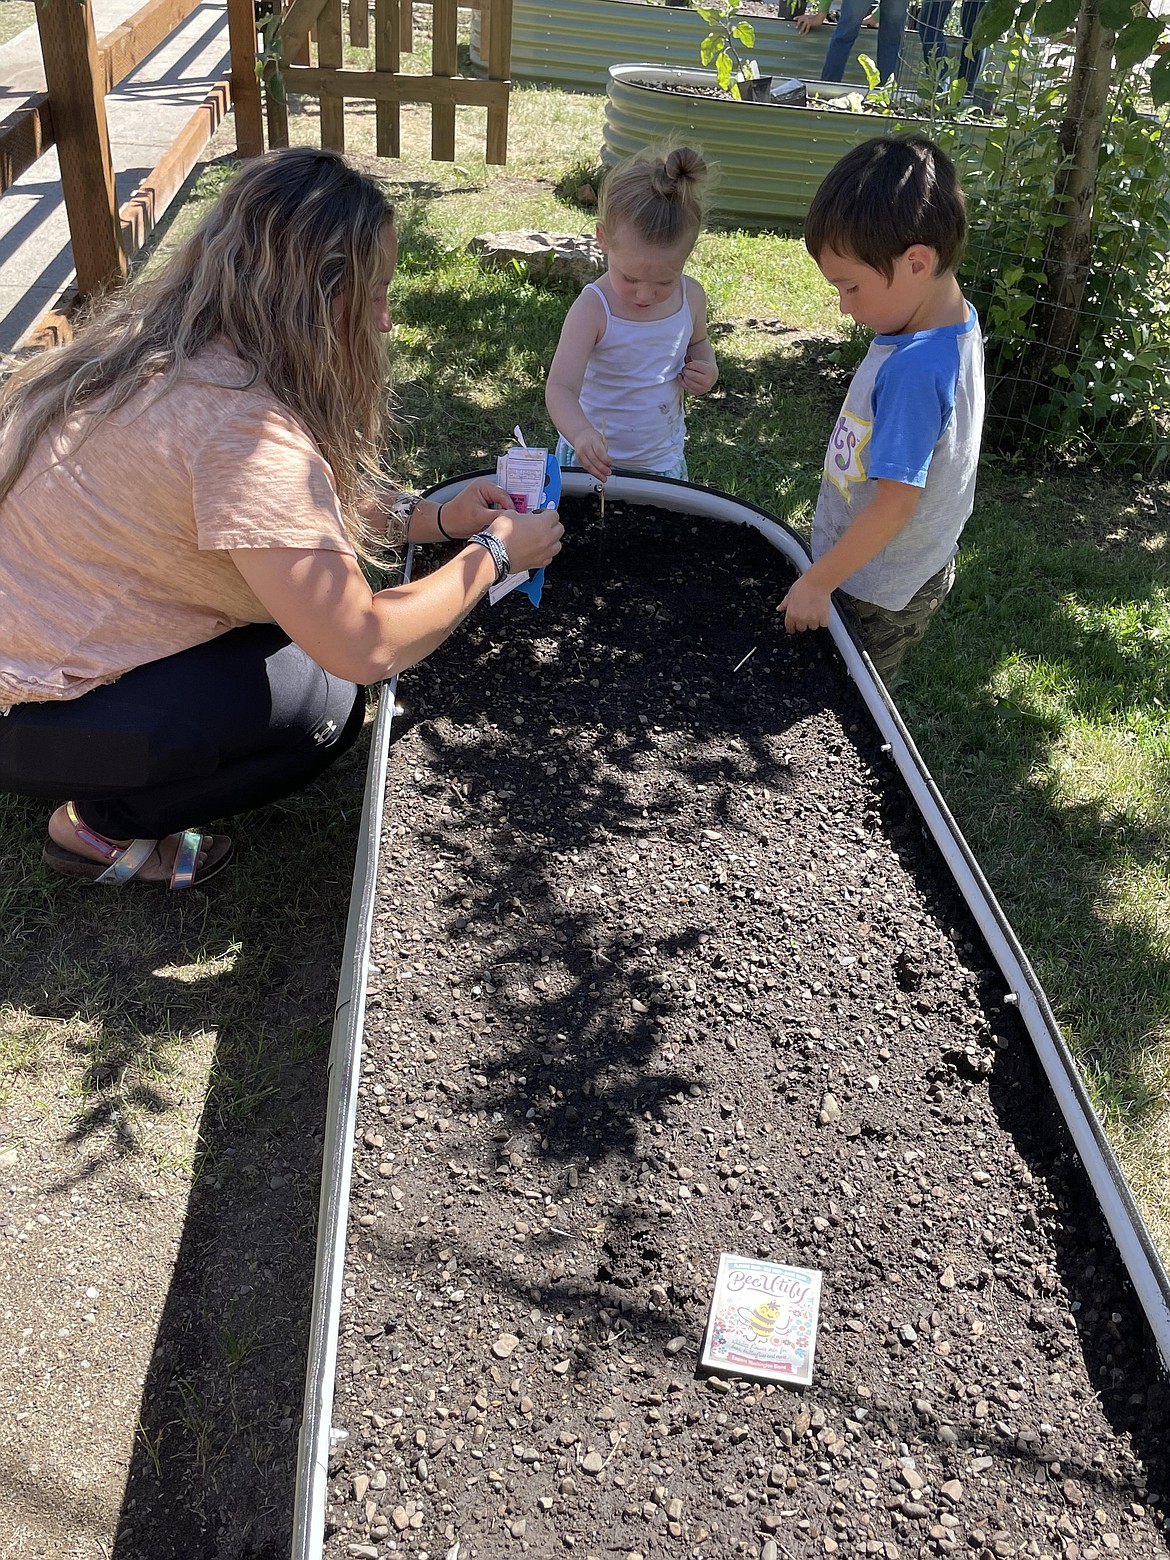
664 965
771 157
574 42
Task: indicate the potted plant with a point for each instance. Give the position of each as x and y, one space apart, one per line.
723 48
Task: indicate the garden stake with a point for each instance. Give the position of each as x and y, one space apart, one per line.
601 501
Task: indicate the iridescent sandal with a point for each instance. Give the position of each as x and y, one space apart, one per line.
120 863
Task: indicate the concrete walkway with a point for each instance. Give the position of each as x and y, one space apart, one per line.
145 113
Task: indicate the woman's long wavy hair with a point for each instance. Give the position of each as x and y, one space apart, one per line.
296 231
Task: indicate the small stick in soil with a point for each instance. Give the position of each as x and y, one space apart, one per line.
745 660
601 507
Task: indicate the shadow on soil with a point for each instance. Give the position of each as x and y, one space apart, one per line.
589 1034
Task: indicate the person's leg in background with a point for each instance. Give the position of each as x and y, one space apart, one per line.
932 20
226 726
853 13
971 64
891 31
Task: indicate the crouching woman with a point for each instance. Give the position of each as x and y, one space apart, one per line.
188 491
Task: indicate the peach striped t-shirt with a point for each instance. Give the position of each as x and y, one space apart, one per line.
114 548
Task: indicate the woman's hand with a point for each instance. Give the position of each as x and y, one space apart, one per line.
475 507
531 541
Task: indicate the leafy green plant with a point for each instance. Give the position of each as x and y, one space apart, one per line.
1115 48
724 45
1108 397
935 102
1134 26
270 54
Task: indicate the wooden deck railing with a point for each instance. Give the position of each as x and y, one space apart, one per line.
80 71
70 115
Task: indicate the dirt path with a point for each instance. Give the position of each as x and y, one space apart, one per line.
665 967
160 1149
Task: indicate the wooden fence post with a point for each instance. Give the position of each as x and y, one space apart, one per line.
75 78
444 64
499 58
331 53
388 59
245 83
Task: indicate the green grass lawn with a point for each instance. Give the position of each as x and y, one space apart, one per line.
15 16
1038 701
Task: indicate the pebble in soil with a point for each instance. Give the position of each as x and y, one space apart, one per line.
664 967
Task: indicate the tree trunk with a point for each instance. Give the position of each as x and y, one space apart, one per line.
1069 251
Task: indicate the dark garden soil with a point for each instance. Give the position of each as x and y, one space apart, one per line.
664 967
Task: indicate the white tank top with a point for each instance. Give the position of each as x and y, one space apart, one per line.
631 389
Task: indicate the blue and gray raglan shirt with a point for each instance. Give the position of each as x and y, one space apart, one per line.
914 414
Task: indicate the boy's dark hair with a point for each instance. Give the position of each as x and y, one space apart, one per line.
884 196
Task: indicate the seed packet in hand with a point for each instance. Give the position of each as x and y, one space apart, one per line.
532 480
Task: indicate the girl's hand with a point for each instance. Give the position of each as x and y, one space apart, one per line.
475 507
592 452
532 541
698 376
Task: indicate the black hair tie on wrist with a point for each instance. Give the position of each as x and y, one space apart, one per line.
442 531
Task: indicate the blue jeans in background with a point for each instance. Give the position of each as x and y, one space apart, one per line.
933 19
891 26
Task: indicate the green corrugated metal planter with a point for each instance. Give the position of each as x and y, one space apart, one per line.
574 42
770 158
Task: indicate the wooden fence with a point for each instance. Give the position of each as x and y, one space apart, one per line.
80 70
71 115
387 86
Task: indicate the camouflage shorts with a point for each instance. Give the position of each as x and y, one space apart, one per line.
886 635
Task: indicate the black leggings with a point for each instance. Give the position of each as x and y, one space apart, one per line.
240 721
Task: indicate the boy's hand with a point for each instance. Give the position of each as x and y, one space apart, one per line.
593 453
698 376
805 606
809 20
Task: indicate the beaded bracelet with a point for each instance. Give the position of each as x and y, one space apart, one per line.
498 551
402 507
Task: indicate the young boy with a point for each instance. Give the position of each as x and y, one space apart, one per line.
887 228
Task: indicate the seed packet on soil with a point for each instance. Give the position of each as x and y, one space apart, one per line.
763 1320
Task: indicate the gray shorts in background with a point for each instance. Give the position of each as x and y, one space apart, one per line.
887 635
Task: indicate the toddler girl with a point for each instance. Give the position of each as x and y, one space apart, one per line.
637 338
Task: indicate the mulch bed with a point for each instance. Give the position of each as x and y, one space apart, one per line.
665 966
